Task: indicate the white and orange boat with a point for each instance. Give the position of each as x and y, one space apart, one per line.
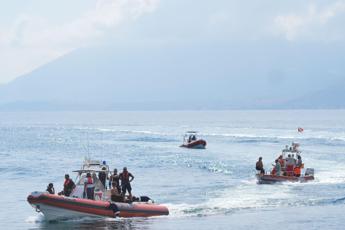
56 207
191 141
288 176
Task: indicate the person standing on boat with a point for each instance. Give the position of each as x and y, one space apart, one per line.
260 166
282 162
89 187
299 161
102 176
290 164
126 179
115 178
278 168
68 186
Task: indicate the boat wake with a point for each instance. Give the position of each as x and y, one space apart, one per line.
251 196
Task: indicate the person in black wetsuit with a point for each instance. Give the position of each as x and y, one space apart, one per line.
126 179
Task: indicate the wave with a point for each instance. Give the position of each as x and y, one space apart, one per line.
339 201
250 196
329 139
148 139
244 135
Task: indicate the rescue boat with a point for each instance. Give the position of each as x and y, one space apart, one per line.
289 175
190 140
56 207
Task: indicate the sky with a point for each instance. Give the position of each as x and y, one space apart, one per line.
36 32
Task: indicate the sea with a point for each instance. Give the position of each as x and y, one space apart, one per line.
214 188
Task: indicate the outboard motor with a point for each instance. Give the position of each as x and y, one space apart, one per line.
309 172
146 199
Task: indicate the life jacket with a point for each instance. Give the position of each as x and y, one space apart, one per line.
282 163
66 182
89 180
297 171
274 171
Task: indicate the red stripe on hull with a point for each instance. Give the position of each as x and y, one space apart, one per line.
274 179
101 208
195 144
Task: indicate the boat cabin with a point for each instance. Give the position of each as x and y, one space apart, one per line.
189 137
93 167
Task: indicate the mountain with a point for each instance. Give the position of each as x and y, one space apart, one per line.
330 98
183 75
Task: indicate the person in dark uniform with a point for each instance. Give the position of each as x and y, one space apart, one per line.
102 176
126 179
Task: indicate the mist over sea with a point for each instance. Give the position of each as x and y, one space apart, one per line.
213 188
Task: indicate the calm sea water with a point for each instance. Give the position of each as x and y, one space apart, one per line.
213 188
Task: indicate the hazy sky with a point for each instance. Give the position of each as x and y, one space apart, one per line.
35 32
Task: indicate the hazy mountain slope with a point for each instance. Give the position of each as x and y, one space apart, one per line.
330 98
176 76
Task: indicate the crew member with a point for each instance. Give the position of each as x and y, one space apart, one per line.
115 193
278 168
289 165
102 176
260 166
282 162
68 186
299 161
297 171
89 187
126 179
115 178
50 188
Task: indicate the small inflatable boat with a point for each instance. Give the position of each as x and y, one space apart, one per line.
190 141
55 207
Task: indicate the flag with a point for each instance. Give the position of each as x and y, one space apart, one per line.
300 130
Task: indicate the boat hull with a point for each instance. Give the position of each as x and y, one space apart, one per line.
272 179
198 144
55 207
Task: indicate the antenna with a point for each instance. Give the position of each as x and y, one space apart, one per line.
88 145
102 144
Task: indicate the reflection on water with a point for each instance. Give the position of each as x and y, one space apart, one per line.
89 224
